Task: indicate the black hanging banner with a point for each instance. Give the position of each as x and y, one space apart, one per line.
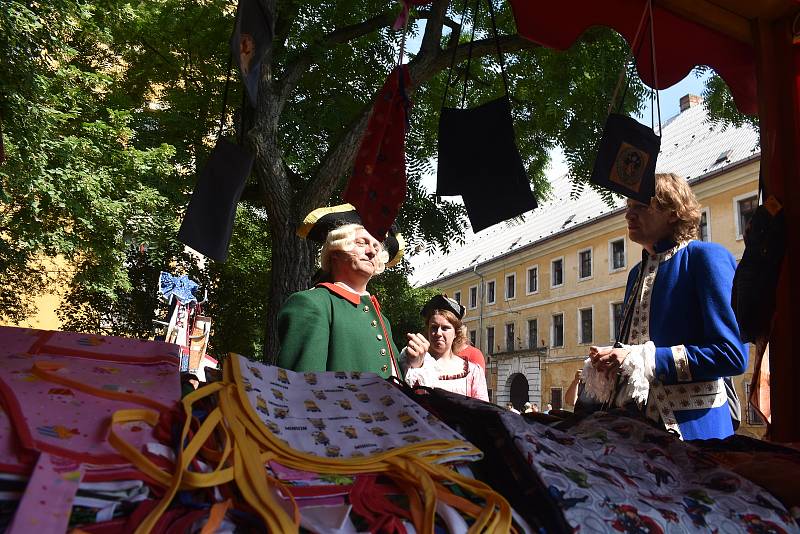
477 150
626 158
628 150
208 224
251 36
477 153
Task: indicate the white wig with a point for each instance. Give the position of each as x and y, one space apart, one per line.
343 239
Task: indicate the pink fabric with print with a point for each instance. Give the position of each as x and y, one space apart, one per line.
44 378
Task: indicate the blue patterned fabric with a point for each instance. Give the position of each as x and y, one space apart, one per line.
690 306
181 287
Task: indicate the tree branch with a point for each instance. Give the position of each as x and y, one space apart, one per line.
436 17
433 29
446 21
423 69
295 70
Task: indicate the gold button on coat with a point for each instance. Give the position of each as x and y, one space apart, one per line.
383 352
366 308
380 337
374 323
384 368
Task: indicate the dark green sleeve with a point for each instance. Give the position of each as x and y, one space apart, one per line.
304 331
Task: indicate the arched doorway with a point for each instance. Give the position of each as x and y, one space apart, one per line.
519 391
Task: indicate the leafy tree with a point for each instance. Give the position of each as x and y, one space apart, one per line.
722 109
74 183
317 82
110 107
238 288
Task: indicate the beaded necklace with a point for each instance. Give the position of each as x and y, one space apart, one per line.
462 374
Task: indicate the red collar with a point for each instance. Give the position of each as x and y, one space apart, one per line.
352 298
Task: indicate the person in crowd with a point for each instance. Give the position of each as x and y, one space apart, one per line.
510 408
432 362
528 408
337 325
548 408
571 396
679 333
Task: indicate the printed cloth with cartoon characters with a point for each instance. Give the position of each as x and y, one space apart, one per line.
343 415
616 473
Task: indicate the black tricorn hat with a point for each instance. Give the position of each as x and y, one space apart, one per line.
321 221
443 302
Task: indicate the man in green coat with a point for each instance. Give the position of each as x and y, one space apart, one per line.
338 325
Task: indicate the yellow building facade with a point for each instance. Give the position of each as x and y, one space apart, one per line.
539 294
45 303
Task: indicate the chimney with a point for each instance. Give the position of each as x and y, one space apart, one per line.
690 101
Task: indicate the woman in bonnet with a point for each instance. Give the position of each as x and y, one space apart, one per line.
431 361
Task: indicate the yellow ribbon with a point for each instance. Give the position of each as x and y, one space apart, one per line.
247 445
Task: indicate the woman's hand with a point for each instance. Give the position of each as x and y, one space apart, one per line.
416 348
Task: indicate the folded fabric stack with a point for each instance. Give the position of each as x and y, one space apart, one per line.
355 427
611 472
93 436
58 391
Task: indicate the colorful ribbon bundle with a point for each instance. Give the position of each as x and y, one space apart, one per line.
243 432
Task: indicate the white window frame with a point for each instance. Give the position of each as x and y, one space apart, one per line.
611 318
505 288
486 291
591 262
737 216
611 242
580 326
457 296
505 335
469 297
707 211
528 278
563 272
553 330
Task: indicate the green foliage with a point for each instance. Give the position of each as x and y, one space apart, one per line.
400 302
108 107
722 109
238 288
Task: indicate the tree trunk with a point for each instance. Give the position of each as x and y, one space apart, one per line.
292 267
293 258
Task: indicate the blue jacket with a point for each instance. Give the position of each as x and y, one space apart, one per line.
690 307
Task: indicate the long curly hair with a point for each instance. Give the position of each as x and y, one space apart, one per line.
343 239
674 194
